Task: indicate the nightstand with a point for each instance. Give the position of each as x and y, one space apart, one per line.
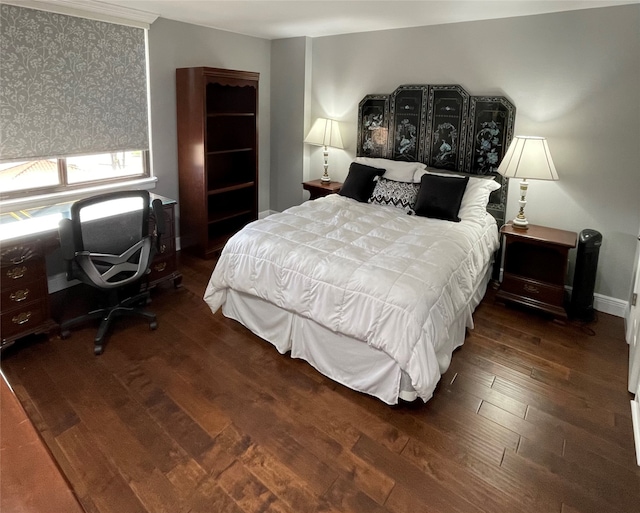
535 267
318 188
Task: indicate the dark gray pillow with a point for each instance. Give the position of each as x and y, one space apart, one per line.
440 197
360 182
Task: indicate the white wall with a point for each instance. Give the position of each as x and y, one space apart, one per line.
574 77
290 101
174 45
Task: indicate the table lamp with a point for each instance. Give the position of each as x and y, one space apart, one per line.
325 132
527 157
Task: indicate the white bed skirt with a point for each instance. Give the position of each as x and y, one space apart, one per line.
345 360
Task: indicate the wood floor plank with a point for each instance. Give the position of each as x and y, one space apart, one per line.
248 492
571 356
343 495
556 489
109 491
552 441
586 482
448 403
487 394
456 477
283 482
555 401
599 444
408 476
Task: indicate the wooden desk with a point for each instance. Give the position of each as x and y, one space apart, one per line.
535 267
24 301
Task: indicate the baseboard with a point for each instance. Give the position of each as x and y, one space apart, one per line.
266 213
610 305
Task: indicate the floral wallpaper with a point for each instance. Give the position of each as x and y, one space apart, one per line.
69 85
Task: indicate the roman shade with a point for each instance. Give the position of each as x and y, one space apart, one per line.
70 85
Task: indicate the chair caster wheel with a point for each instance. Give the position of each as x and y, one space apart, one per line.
64 334
97 350
153 325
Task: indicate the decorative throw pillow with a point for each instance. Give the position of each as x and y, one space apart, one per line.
401 195
360 182
439 197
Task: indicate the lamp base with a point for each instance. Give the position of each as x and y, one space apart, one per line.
520 221
325 175
520 224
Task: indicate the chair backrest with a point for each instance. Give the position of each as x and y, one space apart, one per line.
106 241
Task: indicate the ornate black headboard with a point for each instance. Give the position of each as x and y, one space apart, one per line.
443 127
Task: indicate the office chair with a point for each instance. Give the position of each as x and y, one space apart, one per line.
106 244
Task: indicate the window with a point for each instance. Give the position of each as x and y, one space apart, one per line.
19 179
70 85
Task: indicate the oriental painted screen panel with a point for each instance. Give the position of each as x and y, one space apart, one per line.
408 122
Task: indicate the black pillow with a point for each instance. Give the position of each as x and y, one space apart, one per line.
360 182
439 197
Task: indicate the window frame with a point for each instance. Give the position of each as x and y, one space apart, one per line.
63 186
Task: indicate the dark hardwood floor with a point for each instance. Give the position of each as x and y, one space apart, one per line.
202 416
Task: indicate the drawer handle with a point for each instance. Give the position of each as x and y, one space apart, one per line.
163 248
19 295
531 288
17 272
17 260
21 318
160 267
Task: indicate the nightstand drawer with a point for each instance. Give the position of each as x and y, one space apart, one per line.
535 290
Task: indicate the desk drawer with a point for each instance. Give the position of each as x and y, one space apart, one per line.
167 247
532 289
162 266
18 254
14 276
22 293
24 319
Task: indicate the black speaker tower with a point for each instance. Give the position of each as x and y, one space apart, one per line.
584 277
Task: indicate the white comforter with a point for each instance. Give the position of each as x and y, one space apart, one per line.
369 272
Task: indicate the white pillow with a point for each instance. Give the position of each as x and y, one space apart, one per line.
476 195
396 170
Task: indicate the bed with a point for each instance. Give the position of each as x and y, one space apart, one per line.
376 286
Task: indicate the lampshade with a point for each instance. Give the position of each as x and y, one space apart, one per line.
325 132
528 157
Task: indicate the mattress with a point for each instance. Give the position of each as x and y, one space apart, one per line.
369 273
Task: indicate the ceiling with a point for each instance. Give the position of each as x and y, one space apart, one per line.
293 18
